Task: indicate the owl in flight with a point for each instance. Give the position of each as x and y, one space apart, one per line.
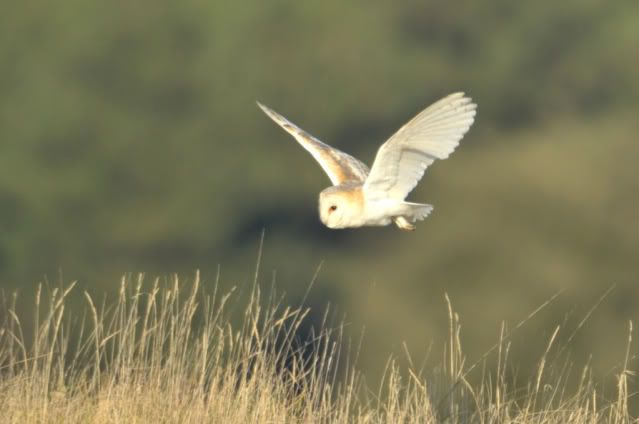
362 197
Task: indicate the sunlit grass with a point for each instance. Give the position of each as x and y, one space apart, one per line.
171 353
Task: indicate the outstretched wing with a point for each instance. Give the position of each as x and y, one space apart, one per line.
339 166
433 134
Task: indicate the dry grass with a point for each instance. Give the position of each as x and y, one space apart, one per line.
169 354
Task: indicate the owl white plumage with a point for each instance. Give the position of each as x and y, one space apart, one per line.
362 197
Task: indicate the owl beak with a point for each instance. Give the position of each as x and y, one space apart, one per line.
323 218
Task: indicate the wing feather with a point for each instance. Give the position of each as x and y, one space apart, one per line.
433 134
339 166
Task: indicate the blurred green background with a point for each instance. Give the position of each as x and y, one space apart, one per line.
130 141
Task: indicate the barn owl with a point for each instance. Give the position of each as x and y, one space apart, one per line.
362 197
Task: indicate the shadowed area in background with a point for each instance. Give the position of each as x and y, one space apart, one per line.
130 141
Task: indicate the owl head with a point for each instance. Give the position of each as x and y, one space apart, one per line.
339 208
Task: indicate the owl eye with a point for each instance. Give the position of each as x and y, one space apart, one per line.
332 208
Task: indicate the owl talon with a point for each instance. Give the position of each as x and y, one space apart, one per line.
403 224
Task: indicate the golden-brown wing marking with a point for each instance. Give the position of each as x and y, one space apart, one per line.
339 166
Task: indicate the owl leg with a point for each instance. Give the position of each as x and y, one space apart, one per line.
403 224
411 213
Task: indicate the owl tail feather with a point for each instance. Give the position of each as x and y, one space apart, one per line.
413 212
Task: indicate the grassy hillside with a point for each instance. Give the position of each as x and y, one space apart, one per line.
168 353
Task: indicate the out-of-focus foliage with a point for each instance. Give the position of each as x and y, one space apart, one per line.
130 141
